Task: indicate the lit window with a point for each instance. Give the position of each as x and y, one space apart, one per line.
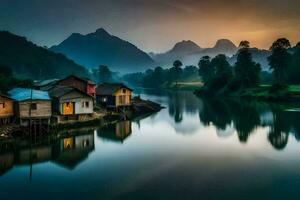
104 99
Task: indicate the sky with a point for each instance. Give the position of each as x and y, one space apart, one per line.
155 25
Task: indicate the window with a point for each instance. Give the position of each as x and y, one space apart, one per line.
124 91
104 99
82 105
87 104
33 106
2 104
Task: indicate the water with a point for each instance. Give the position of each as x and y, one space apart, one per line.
193 149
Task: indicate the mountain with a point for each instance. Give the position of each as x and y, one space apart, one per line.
190 53
179 51
223 46
102 48
28 60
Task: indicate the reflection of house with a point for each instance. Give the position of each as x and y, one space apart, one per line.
71 151
6 162
6 109
82 84
117 132
29 103
34 155
113 95
68 101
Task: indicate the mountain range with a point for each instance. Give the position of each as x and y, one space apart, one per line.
190 53
28 60
102 48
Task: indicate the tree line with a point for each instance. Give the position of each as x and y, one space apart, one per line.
219 76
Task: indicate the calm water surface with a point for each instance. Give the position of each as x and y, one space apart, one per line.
193 149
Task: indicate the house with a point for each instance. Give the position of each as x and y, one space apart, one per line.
45 84
70 103
6 109
113 95
82 84
117 132
31 104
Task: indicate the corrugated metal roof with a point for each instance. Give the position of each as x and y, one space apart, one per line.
45 82
23 94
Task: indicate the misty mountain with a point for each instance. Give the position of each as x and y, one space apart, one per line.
179 51
190 53
28 60
102 48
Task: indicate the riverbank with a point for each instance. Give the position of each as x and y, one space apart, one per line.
289 93
99 118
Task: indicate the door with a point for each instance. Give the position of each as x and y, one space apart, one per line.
68 108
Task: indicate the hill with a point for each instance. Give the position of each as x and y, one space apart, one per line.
102 48
28 60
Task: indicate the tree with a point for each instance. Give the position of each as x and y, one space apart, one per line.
104 74
280 59
246 70
222 67
294 69
206 71
177 70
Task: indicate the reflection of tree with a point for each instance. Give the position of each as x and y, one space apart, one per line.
244 115
246 119
279 133
216 112
176 106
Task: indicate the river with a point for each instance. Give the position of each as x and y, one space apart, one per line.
192 149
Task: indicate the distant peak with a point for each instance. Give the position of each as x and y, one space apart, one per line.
186 45
101 31
225 43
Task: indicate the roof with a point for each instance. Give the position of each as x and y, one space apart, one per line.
59 91
45 82
23 94
110 88
84 79
5 96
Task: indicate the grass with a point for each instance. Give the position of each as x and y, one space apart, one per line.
185 85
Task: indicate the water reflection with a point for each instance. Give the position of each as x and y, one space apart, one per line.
117 132
67 152
233 116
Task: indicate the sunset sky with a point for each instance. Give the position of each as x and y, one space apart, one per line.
155 25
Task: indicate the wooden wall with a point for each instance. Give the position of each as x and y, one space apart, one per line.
123 92
74 82
8 109
43 109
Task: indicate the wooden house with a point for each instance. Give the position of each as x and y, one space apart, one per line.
82 84
70 103
6 109
31 104
113 95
